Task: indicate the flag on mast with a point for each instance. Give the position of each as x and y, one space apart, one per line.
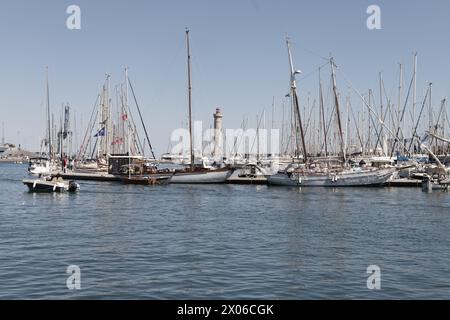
101 132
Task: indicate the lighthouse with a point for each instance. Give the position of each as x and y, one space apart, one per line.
217 133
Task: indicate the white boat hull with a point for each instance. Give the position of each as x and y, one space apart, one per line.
40 171
345 179
50 186
201 177
42 168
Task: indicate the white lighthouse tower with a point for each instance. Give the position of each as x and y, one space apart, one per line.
218 138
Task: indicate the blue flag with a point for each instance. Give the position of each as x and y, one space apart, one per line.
101 133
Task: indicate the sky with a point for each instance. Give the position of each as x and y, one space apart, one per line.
238 48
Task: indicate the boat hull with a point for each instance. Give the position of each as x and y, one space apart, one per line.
374 178
146 180
201 177
44 186
51 186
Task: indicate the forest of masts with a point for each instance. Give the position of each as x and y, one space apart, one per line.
379 122
111 128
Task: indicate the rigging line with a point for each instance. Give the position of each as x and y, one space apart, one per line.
418 119
401 118
312 72
237 141
131 125
389 105
379 135
88 132
328 127
258 128
356 126
142 121
313 53
370 108
309 117
436 126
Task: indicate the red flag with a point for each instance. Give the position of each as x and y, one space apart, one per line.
124 117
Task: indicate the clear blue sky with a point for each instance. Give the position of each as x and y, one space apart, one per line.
238 48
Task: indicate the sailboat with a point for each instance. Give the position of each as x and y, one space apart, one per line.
44 165
195 174
310 174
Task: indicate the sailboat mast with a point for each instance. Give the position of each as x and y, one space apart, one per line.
338 113
322 109
127 114
414 91
295 102
3 132
382 116
49 141
190 98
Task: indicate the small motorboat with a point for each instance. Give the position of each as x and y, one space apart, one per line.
51 184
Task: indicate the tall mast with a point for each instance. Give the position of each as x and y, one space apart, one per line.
273 112
61 149
127 113
3 132
190 98
400 93
49 128
369 141
414 92
295 101
382 114
347 131
336 102
108 131
323 116
430 111
258 121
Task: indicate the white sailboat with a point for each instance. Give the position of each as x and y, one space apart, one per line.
195 174
44 165
352 177
310 174
40 166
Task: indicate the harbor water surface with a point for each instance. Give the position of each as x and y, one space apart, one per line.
222 242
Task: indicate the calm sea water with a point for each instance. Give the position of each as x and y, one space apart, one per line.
221 241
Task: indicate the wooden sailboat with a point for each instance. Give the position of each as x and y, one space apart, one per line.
310 174
194 174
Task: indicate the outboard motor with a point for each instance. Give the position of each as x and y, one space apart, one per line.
73 186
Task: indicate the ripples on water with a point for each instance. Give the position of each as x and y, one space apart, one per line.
221 241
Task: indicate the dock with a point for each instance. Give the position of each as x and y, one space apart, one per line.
405 183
